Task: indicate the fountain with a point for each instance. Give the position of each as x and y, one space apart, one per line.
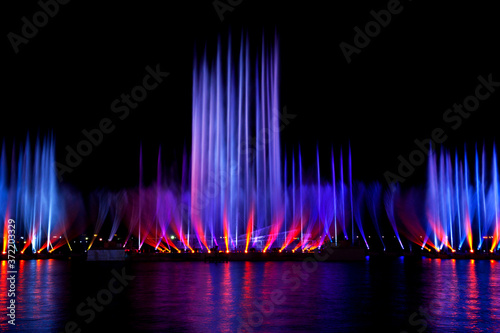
238 192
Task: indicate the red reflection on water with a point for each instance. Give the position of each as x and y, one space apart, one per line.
494 290
227 299
472 303
454 295
38 287
248 278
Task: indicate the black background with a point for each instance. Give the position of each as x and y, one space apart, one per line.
395 91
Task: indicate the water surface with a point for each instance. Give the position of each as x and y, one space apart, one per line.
388 295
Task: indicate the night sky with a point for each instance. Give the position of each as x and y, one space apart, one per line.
394 90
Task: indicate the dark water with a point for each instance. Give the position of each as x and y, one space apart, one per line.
384 295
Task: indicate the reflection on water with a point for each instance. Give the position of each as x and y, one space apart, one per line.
387 295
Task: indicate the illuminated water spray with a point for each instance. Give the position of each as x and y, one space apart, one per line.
461 203
30 193
235 155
